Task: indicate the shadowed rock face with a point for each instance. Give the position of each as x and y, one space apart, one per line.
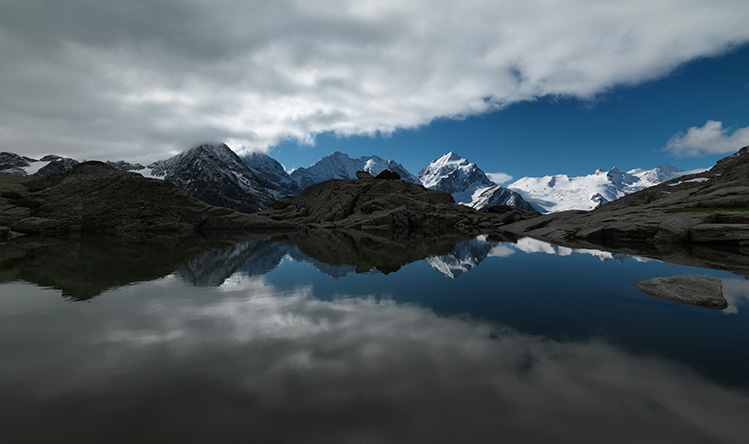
709 207
95 197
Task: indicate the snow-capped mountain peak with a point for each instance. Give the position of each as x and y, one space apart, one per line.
454 174
215 174
467 183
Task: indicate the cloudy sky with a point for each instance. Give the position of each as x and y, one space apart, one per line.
524 88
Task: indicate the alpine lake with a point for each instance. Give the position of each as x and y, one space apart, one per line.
338 337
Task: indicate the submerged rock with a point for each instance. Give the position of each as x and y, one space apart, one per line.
704 292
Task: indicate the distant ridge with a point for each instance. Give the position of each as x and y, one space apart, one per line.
340 166
561 192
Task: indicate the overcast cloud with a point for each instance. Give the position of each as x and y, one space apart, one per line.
143 78
710 138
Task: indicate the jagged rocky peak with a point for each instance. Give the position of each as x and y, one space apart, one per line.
499 195
453 173
215 174
467 183
340 166
206 153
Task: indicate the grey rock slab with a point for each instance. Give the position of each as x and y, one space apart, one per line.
676 227
705 292
719 232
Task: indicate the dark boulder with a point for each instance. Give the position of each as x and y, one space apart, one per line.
388 175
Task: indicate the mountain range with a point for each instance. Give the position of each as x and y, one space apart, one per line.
561 192
341 166
217 175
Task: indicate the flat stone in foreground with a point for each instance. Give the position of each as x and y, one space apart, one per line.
705 292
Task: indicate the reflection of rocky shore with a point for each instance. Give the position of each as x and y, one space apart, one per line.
252 258
84 267
716 257
366 251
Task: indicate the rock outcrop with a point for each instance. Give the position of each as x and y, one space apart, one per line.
706 292
388 175
379 205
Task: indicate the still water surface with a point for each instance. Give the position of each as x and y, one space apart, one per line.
259 341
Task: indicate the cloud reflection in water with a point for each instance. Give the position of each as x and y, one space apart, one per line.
264 364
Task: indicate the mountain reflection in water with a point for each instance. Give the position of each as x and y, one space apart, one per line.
346 337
